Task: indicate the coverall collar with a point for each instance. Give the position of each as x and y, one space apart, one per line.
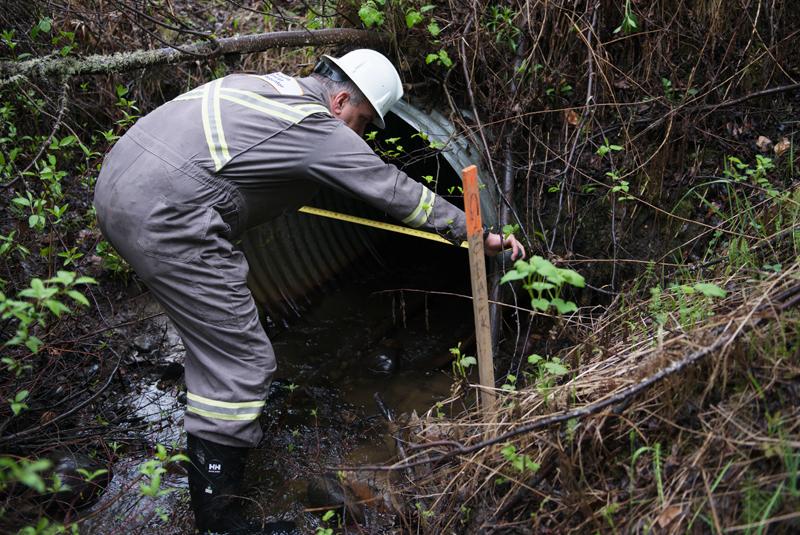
315 89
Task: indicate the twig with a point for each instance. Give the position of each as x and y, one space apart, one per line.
73 410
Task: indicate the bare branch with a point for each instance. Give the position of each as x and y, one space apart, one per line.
50 66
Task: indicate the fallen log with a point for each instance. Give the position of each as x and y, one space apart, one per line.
64 67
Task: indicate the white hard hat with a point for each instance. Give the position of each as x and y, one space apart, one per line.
375 76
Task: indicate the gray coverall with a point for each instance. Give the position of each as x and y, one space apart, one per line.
187 179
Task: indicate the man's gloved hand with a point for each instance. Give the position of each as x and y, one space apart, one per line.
494 244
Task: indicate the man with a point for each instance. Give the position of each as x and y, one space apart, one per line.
186 180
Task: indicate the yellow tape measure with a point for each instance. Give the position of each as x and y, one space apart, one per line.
376 224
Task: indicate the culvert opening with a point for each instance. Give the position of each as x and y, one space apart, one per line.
300 257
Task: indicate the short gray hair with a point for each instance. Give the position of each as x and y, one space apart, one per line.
333 87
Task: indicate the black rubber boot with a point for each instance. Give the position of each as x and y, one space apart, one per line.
215 487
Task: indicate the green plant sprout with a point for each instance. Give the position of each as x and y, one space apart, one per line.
500 22
414 16
88 476
521 462
619 186
544 282
508 230
680 299
371 13
17 403
657 464
511 383
461 363
629 21
441 58
326 530
153 470
545 372
607 148
8 245
41 295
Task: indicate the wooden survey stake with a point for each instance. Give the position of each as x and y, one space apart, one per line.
480 295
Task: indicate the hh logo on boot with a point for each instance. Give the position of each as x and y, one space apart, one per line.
214 468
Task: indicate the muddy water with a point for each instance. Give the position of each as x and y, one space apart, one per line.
322 413
360 338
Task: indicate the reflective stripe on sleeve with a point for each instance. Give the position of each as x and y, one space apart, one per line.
419 216
223 410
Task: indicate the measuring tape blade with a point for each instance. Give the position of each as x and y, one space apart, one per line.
375 224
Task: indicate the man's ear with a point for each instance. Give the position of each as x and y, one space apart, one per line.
338 101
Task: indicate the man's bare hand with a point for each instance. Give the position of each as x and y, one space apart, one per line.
495 243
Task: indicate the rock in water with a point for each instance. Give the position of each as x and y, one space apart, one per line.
384 359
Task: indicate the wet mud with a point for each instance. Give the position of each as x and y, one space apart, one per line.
363 337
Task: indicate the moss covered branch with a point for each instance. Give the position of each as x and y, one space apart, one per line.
57 66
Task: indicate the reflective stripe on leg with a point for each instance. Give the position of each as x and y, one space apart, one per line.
223 410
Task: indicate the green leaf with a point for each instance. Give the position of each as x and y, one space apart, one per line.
67 141
45 25
541 286
370 15
38 290
78 297
709 289
512 275
551 273
468 361
509 451
433 29
21 395
524 267
535 359
445 59
555 367
22 201
33 344
564 307
413 17
30 478
35 220
572 277
65 278
84 280
540 304
56 307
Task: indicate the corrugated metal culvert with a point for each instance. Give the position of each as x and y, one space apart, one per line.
297 254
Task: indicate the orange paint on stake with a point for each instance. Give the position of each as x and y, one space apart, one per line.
480 294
